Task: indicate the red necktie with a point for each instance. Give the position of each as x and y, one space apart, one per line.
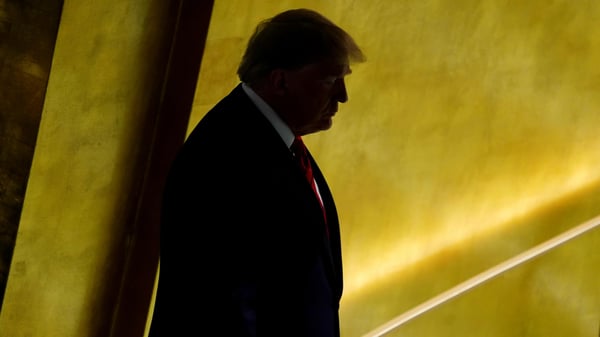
301 156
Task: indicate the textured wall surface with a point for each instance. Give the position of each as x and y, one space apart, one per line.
78 218
470 136
27 36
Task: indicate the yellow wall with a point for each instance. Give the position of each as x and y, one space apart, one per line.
471 135
77 216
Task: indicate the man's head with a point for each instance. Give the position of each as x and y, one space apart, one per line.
297 61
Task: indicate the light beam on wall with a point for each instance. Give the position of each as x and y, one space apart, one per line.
485 276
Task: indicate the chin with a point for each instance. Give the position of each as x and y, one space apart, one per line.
322 125
326 125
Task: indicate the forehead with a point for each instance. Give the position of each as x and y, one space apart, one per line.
327 68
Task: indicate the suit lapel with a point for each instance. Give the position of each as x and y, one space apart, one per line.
331 245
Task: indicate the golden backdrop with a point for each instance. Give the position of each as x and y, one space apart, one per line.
470 136
76 225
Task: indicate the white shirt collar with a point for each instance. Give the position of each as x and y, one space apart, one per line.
282 129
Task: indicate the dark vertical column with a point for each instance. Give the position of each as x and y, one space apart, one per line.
189 36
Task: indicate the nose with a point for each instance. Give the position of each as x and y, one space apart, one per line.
341 94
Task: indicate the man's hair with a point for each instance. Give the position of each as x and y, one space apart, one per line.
293 39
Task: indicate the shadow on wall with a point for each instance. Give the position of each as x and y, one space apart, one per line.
28 32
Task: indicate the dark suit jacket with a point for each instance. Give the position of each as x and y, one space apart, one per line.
243 245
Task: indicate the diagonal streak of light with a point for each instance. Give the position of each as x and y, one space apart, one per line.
485 276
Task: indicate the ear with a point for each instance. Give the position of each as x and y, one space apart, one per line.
278 81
